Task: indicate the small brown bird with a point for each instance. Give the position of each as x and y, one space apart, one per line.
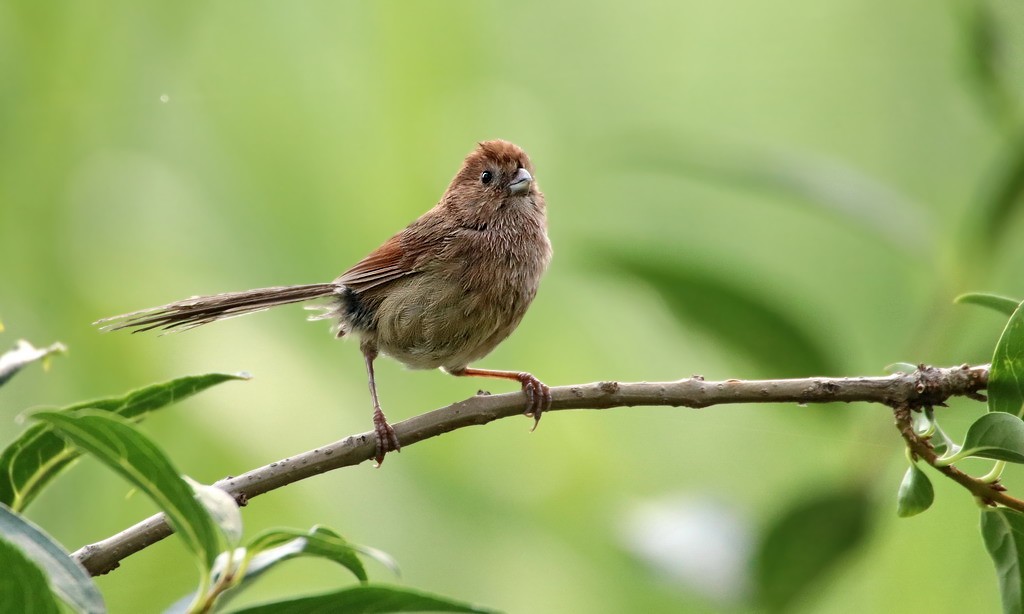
442 293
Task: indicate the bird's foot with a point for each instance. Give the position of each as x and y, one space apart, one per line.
387 441
538 397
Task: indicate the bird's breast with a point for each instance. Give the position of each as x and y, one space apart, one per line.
464 303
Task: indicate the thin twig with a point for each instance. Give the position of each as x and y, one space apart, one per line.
991 494
925 387
932 391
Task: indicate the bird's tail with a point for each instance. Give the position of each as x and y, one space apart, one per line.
199 310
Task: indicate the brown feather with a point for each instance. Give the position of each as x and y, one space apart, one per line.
384 264
199 310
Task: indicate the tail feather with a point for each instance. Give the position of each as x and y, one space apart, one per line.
199 310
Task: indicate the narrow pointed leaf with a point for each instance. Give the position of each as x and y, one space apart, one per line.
366 599
280 545
855 198
24 353
1006 379
806 543
275 546
1002 304
1001 196
1003 532
23 586
984 52
38 454
916 493
381 557
778 341
116 443
67 578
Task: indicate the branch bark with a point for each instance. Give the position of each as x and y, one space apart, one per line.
925 387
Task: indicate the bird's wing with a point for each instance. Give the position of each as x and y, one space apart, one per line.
389 262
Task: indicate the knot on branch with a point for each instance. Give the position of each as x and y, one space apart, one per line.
932 387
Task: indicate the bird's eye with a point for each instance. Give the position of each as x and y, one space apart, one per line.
486 176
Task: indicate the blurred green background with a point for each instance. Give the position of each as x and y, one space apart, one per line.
736 189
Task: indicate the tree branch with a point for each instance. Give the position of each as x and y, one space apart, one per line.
988 493
903 392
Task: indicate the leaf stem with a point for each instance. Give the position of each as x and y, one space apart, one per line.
993 476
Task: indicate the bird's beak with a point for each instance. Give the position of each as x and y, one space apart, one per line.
521 182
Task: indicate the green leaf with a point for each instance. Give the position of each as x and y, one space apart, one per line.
119 445
983 53
278 545
38 454
1003 532
835 188
68 579
273 546
915 494
739 318
1001 197
1006 378
24 354
366 599
23 586
997 435
381 557
222 509
942 442
1002 304
900 367
806 543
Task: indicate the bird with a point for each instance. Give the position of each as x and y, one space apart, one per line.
441 293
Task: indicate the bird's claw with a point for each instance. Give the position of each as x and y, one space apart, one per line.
538 397
387 441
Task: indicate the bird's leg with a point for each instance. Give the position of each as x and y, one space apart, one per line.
538 395
387 441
